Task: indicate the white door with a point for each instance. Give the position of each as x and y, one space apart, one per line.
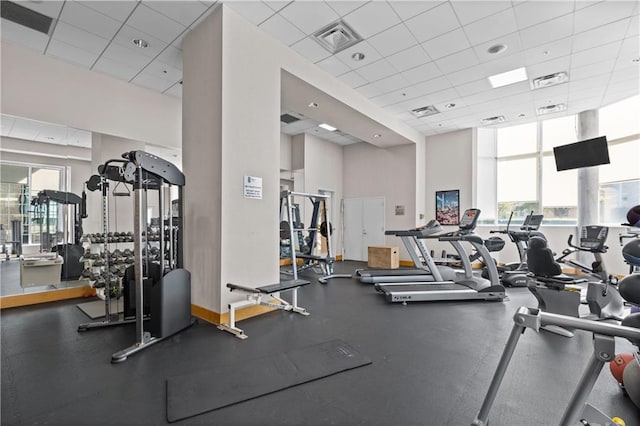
363 226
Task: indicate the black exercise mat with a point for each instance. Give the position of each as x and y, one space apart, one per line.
196 393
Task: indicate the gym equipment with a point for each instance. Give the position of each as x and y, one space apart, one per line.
618 365
515 274
560 293
269 374
311 258
465 285
170 293
603 351
254 296
70 252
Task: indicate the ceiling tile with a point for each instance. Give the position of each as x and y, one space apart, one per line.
392 83
601 13
377 70
254 11
512 41
597 54
310 49
463 59
433 22
388 99
372 18
591 70
89 20
309 16
411 8
629 52
276 5
118 10
547 32
466 75
443 96
392 40
150 81
155 23
171 56
547 52
422 73
634 26
184 12
282 29
71 54
79 38
409 58
344 7
587 83
353 79
577 95
370 55
163 71
553 92
470 11
473 87
533 12
601 35
446 44
491 27
126 55
369 90
118 69
430 86
23 36
333 65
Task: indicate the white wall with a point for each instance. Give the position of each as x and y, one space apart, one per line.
285 152
370 171
42 88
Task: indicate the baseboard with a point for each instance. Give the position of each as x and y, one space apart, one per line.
287 262
217 318
26 299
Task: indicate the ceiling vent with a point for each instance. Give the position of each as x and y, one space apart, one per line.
425 111
493 120
288 118
549 80
549 109
26 17
336 37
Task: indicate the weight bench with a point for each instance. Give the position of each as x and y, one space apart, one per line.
323 262
254 297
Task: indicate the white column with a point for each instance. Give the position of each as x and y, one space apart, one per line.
588 177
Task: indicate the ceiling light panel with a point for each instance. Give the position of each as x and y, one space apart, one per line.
327 127
509 77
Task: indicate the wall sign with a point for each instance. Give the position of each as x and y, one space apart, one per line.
253 187
447 207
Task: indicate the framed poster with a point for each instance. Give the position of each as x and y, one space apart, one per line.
447 207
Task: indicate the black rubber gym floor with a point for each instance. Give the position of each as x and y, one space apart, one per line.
432 363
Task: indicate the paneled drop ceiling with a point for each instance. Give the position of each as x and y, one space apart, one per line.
416 53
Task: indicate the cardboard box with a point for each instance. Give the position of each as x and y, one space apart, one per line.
384 257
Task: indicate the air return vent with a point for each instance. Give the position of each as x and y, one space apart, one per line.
493 120
550 80
288 118
336 37
26 17
425 111
549 109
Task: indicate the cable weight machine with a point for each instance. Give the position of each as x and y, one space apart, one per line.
168 283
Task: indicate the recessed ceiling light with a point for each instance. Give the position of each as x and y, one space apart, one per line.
546 52
377 135
358 56
493 120
143 44
509 77
313 105
450 105
549 80
635 60
497 48
327 127
548 109
522 114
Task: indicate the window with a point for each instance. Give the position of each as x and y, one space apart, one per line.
519 159
19 183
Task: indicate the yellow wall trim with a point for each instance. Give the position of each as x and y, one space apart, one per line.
406 263
45 296
217 318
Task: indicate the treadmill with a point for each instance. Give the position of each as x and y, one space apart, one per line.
466 285
427 271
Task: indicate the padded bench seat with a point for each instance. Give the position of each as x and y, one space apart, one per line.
271 288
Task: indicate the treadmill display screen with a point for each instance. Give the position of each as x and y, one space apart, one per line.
469 219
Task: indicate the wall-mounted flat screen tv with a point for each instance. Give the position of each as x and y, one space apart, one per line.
587 153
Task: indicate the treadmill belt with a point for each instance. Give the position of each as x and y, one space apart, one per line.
393 272
426 287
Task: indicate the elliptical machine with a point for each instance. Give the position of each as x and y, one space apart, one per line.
515 274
